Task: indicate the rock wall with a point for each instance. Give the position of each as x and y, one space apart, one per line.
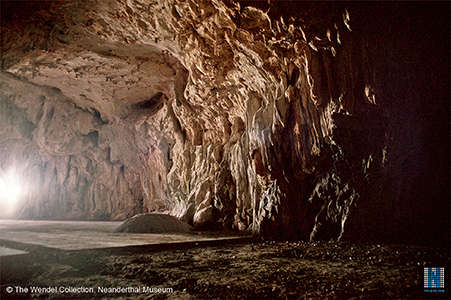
293 120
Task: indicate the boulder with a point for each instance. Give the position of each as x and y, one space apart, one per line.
153 223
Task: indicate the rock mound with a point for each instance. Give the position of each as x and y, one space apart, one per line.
153 223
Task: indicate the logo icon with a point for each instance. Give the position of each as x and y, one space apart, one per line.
434 280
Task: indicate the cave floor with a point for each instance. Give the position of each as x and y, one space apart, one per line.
82 235
228 269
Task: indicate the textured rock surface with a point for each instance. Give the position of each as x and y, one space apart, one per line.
301 121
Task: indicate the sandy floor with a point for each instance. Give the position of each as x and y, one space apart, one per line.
80 235
250 270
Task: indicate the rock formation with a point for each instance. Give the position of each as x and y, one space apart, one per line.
292 120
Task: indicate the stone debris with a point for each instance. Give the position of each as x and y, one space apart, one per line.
258 270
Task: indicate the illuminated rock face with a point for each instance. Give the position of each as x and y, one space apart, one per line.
318 125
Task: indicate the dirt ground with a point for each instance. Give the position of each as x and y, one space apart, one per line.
245 270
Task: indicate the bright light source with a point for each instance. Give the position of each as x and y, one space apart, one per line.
10 191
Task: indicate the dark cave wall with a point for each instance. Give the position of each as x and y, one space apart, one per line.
386 173
330 123
411 85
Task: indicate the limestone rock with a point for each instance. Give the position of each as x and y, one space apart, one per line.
204 217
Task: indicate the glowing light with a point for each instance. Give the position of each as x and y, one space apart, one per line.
10 191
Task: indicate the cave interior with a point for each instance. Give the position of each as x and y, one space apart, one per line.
224 149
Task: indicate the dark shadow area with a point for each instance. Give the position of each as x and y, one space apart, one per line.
224 270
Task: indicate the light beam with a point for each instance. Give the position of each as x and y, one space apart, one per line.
10 191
